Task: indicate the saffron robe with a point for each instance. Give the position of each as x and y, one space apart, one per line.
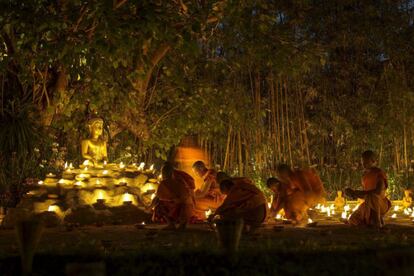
176 198
375 205
210 196
244 200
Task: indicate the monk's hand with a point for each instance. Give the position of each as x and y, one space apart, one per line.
211 218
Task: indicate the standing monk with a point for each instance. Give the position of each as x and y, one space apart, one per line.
209 195
243 200
376 204
175 197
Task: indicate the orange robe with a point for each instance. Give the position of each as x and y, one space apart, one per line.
213 198
176 198
244 200
375 206
309 183
292 201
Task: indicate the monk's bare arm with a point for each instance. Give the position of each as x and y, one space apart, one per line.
204 189
378 189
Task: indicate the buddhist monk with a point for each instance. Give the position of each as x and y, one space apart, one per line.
291 200
243 200
209 195
305 180
175 196
374 183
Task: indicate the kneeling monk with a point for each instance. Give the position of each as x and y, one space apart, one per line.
292 201
374 182
209 195
243 200
176 197
305 180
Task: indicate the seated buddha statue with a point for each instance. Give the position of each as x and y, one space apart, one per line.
407 200
94 148
339 201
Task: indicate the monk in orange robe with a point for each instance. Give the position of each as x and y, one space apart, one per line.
243 200
374 182
296 191
292 201
209 195
305 180
175 197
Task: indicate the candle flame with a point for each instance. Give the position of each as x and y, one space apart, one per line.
344 215
141 166
208 213
86 163
310 220
101 195
394 215
396 208
40 182
121 165
127 197
347 208
105 172
152 167
53 208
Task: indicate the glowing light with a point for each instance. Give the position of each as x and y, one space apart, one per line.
78 183
105 172
310 220
70 166
50 175
318 206
105 163
40 182
86 163
328 211
347 208
121 165
127 197
61 181
141 166
396 208
159 176
394 216
412 215
406 212
53 208
143 223
344 215
98 182
101 195
152 167
355 208
269 204
66 165
278 216
152 196
85 169
208 213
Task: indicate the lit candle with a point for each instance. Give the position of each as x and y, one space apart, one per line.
141 166
127 198
310 220
152 167
53 208
40 182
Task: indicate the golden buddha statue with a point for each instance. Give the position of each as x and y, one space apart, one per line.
94 148
407 200
339 201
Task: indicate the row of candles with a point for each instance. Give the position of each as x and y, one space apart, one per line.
330 211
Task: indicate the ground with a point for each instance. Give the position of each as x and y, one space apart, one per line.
328 248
